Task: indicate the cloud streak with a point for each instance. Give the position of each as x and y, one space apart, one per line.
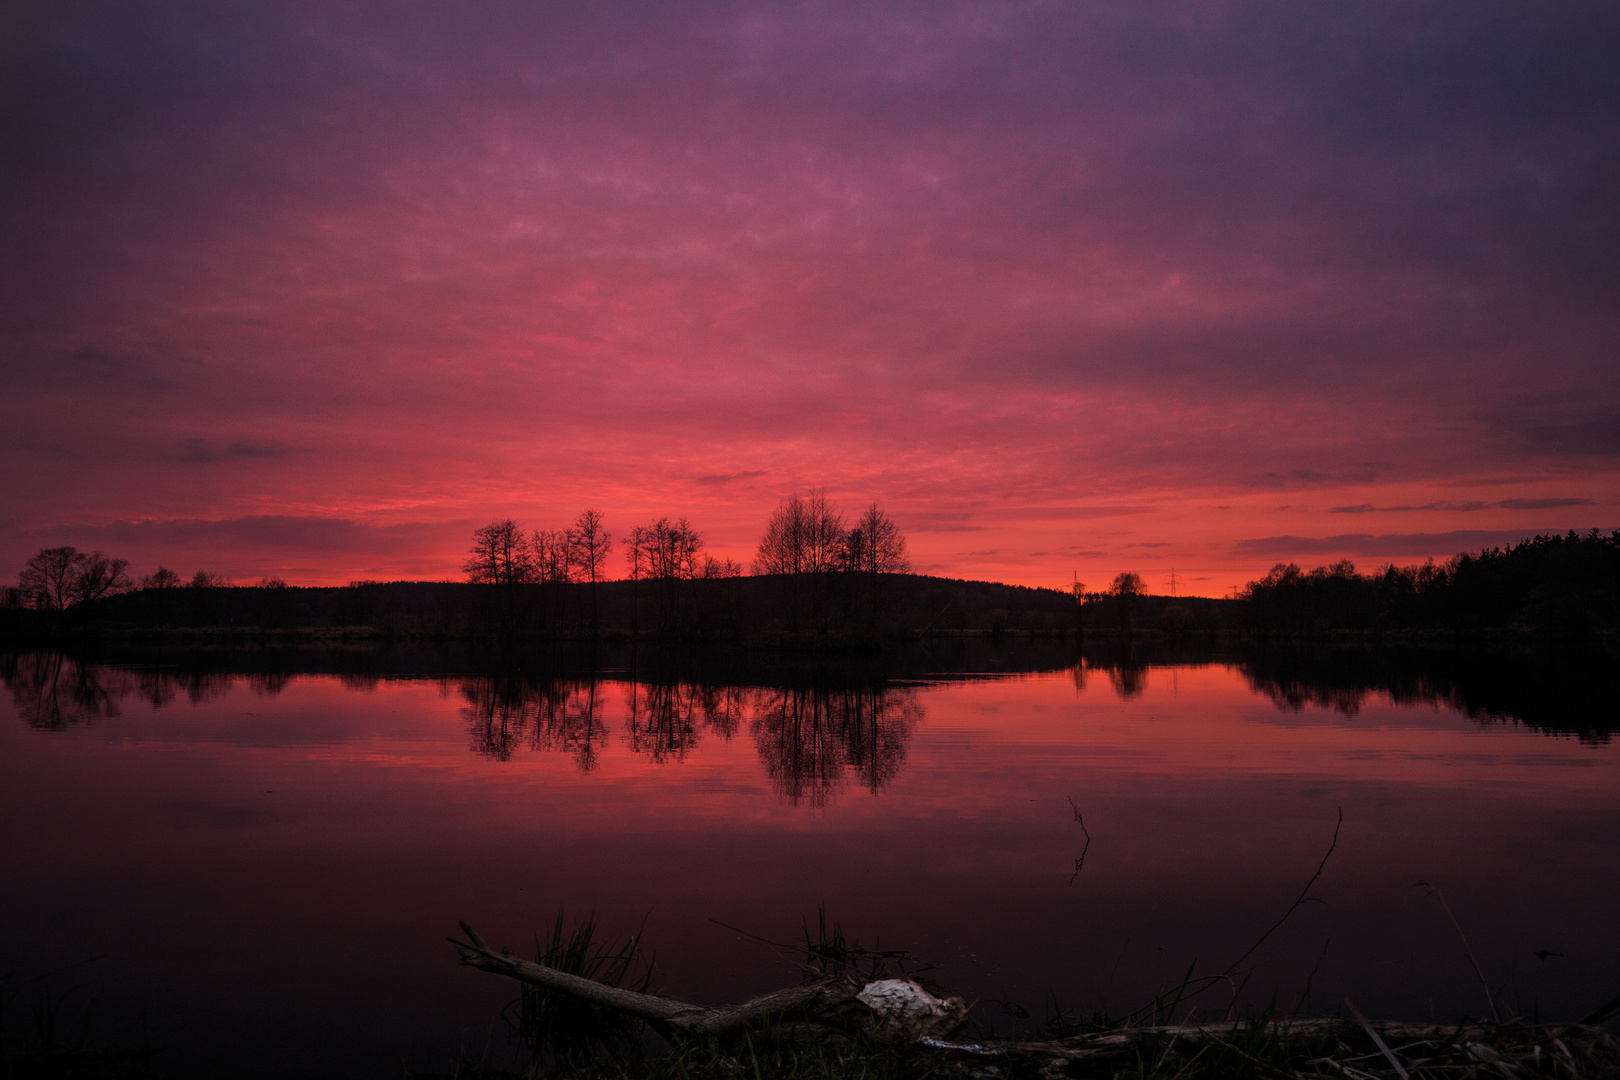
1463 507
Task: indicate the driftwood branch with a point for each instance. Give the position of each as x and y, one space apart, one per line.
1101 1044
667 1015
901 1010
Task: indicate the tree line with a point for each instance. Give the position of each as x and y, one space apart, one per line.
57 578
818 573
1563 585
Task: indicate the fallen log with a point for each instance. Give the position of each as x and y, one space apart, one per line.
1329 1047
898 1008
1120 1040
901 1011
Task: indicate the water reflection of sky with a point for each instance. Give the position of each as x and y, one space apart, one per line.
271 860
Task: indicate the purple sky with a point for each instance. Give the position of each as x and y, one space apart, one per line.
1066 288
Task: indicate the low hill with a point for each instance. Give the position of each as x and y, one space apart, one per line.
840 606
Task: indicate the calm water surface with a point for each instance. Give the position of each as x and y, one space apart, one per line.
261 868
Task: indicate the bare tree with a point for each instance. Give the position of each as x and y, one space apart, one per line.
589 544
554 566
823 534
553 556
719 569
636 545
674 550
499 555
56 578
672 553
803 536
48 576
804 541
161 578
100 576
207 579
876 545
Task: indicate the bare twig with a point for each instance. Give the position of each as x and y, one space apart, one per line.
1303 894
1080 863
1204 982
1490 998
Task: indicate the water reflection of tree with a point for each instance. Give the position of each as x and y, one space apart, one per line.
663 721
1558 694
574 725
268 684
808 738
724 708
159 688
1127 671
1128 681
505 713
53 692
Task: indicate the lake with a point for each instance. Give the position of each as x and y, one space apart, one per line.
254 857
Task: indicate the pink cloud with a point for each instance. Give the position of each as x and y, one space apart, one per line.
1036 280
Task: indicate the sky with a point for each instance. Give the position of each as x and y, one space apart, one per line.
314 290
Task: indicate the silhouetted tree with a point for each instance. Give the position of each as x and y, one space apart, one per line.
100 576
554 566
56 578
719 569
207 579
589 544
803 536
673 554
499 555
873 547
553 556
803 540
636 545
47 578
674 550
1126 590
161 578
